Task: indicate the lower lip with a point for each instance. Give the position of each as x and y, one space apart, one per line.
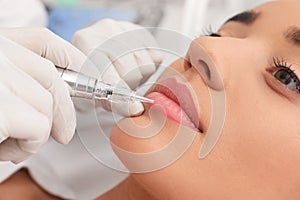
171 109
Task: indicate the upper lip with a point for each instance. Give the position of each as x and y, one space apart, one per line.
181 94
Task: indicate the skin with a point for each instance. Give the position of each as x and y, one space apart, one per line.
257 155
21 186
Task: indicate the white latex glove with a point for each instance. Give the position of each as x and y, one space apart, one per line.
35 102
134 66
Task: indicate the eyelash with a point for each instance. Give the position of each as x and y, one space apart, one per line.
209 31
280 64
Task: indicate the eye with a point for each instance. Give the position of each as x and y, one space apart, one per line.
209 31
215 35
284 73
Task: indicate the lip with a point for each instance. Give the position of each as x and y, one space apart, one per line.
181 94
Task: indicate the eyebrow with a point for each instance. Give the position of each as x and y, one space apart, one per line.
247 17
293 35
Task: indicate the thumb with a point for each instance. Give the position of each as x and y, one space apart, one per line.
47 45
126 109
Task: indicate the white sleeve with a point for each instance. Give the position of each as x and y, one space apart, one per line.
7 169
69 171
42 172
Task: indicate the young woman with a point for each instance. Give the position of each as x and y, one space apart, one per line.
254 59
257 56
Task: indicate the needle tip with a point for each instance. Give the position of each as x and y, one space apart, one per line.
144 99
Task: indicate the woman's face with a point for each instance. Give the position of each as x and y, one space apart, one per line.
258 153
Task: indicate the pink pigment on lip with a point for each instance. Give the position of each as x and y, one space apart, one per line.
181 94
171 109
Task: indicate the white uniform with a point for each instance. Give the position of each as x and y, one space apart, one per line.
69 171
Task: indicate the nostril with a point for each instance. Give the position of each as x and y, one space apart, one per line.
205 65
187 64
205 68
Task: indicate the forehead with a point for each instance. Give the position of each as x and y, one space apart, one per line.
272 21
271 27
272 17
281 12
275 21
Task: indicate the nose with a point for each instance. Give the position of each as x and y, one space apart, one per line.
203 55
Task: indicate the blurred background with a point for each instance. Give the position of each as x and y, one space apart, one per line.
64 17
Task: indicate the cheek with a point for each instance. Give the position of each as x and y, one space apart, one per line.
177 173
151 141
182 178
258 149
262 140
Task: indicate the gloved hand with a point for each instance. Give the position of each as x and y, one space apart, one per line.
35 102
125 46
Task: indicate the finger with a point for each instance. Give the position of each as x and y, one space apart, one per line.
113 48
10 150
25 87
156 56
146 65
112 68
111 76
64 117
48 45
108 74
128 70
123 60
20 121
116 47
45 73
123 108
143 38
127 109
101 67
90 38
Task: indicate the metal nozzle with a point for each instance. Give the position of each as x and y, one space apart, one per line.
89 87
